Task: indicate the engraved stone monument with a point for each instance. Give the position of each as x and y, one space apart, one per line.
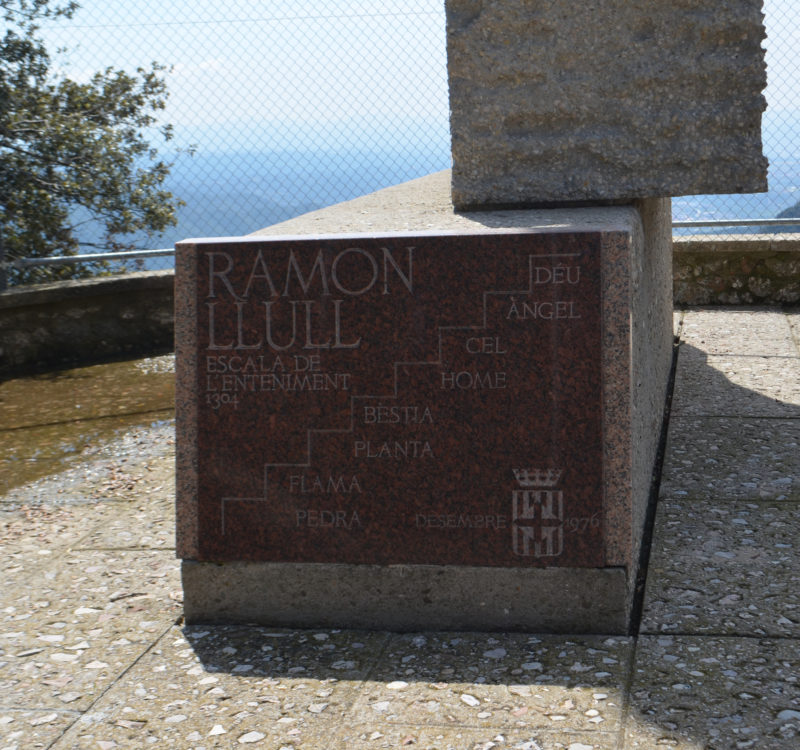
393 414
421 429
400 399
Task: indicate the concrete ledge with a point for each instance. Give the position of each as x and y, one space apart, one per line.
407 597
59 291
68 322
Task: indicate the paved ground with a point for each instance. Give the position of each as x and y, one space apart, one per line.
93 653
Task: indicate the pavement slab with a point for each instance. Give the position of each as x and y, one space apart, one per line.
740 331
714 694
135 526
52 677
25 729
75 627
215 686
732 458
724 568
86 589
513 681
793 316
736 386
33 535
369 736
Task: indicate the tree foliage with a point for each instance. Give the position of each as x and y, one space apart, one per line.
73 154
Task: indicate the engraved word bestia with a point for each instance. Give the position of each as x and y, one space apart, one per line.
421 399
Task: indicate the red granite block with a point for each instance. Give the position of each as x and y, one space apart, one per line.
418 398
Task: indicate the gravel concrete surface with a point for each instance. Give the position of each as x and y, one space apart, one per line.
94 654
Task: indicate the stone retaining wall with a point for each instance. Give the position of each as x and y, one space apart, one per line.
48 325
736 269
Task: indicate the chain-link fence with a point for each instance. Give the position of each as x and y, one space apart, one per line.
292 106
288 106
781 138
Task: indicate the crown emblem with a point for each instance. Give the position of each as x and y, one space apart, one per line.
537 477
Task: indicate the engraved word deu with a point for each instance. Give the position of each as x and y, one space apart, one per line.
282 305
535 309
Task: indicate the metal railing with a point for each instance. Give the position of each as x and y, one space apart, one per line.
64 260
168 252
718 223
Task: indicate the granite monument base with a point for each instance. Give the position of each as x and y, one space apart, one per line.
405 598
394 416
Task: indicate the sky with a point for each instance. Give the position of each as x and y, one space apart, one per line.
369 76
291 105
276 69
239 65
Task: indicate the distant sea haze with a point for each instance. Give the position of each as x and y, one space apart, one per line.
236 193
784 192
239 193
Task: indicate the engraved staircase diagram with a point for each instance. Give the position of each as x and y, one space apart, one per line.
450 339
